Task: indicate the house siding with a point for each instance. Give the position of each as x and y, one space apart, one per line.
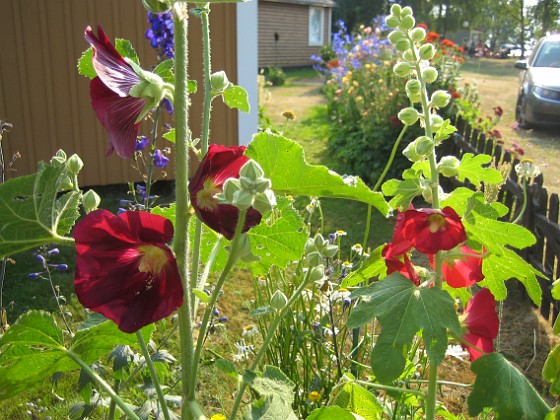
48 102
291 22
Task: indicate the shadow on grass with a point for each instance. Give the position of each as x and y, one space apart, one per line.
490 67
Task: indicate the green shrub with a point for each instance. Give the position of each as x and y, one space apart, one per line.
276 76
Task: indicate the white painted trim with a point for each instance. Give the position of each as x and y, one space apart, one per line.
320 41
247 67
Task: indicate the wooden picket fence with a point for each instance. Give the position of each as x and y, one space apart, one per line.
540 217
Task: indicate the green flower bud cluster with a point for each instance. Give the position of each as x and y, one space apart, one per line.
448 166
278 301
316 250
251 189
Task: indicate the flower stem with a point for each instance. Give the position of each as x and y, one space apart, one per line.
180 244
215 293
151 161
106 387
269 336
153 374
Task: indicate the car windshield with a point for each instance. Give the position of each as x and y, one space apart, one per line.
549 55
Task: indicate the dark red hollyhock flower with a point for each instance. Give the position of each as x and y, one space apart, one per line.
481 322
464 271
110 98
125 270
395 253
431 230
219 164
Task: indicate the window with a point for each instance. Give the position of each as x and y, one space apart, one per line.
316 25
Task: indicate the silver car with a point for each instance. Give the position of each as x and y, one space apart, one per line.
538 100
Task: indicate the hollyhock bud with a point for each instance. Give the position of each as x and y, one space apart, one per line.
411 153
406 11
402 44
395 36
427 51
413 87
58 159
219 82
278 301
66 183
429 74
418 34
402 69
408 116
436 121
409 56
440 99
396 10
75 164
448 166
90 201
314 259
316 273
392 21
407 22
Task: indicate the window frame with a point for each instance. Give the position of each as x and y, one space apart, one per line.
311 39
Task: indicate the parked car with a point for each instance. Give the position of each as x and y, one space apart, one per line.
538 100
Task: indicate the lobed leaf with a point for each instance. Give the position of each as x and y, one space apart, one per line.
358 400
471 168
402 310
125 48
236 97
373 266
85 65
283 161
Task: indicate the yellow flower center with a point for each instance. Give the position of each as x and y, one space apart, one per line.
314 396
205 197
153 259
436 222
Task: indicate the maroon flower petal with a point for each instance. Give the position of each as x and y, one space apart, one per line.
110 66
482 322
430 230
219 164
124 270
118 116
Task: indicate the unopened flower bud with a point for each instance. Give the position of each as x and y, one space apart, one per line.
427 51
314 259
411 153
90 201
440 99
396 9
251 170
278 300
418 34
402 69
427 192
66 183
409 56
407 22
408 116
242 199
75 164
406 11
448 166
424 145
413 87
219 82
395 36
230 187
437 121
392 21
429 74
402 44
264 201
310 246
59 159
316 273
156 6
61 154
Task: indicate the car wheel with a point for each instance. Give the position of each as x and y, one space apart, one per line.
520 112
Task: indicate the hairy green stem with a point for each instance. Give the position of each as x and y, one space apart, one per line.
216 292
104 385
181 244
153 374
151 160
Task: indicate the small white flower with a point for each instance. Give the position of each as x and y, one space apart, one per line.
340 294
358 249
243 351
456 351
527 169
350 180
249 331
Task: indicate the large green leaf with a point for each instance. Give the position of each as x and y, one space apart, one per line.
501 386
402 310
279 238
283 161
35 210
358 400
373 266
403 191
333 412
30 351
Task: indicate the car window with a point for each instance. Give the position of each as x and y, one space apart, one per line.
548 55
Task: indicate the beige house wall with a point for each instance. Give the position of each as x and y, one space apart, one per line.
291 22
48 102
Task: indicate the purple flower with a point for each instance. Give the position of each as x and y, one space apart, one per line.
141 143
160 160
161 33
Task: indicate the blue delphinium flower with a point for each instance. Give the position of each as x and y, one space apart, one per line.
161 33
160 160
